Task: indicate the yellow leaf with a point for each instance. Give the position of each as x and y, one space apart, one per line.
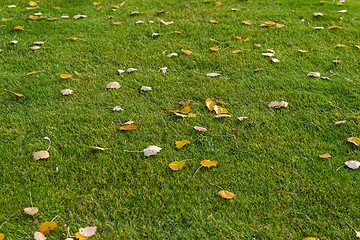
77 73
302 51
220 102
208 163
325 155
34 17
220 110
215 48
358 117
185 110
32 4
181 144
354 140
247 39
213 21
73 38
52 19
19 28
259 69
340 45
175 165
56 8
247 22
238 37
31 73
46 227
97 3
6 19
191 115
183 103
118 23
65 75
19 94
78 236
210 104
226 194
235 51
95 148
178 32
2 236
311 238
217 4
278 25
128 127
187 52
335 27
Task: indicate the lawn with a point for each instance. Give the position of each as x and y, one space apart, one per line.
270 160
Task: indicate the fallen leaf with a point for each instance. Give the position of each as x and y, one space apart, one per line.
276 104
217 4
130 70
113 85
88 231
354 140
118 23
41 155
154 35
2 236
318 14
340 122
210 104
163 69
180 115
19 95
235 51
95 148
222 115
34 48
342 11
247 22
172 55
357 233
175 165
318 28
214 22
145 88
242 118
200 129
247 39
215 48
78 236
185 110
19 28
233 9
46 227
128 127
259 69
151 150
213 74
302 51
352 164
39 236
335 27
226 194
275 60
6 19
187 52
38 43
97 3
52 19
166 23
117 109
325 155
128 123
278 25
32 4
314 74
73 39
31 211
257 45
311 238
184 103
78 16
181 144
340 45
208 163
66 92
268 54
220 110
14 41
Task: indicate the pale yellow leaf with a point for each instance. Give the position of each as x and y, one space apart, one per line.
187 52
235 51
226 194
217 4
215 48
335 27
247 22
325 155
32 4
6 19
31 210
41 155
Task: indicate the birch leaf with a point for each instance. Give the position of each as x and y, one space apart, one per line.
226 194
325 155
181 144
31 211
213 74
66 92
208 163
175 165
145 88
151 150
354 140
46 227
41 155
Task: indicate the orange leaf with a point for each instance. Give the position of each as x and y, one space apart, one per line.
175 165
19 28
65 75
325 155
354 140
128 127
215 48
208 163
78 236
181 144
187 52
19 94
46 227
210 104
226 194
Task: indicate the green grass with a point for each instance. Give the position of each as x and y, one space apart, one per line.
283 189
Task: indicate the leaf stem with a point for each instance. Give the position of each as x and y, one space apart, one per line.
196 171
339 168
132 151
3 224
54 218
215 185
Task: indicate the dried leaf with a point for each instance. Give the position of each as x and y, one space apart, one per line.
352 164
187 52
96 148
226 194
97 3
46 227
217 4
220 110
235 51
113 85
247 39
214 22
39 236
302 51
318 14
128 127
342 11
88 231
163 69
318 28
268 54
354 140
66 92
151 150
357 233
210 104
166 23
208 163
145 88
180 115
275 60
130 70
222 115
314 74
117 109
278 25
73 39
128 123
242 118
185 110
276 104
38 43
175 165
215 48
340 45
335 27
78 16
34 48
31 211
325 155
200 129
41 155
6 19
213 74
172 55
52 19
183 103
181 144
19 95
247 22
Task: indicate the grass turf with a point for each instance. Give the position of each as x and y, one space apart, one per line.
283 189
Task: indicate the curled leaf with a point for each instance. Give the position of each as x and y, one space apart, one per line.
96 148
175 165
354 140
325 155
200 129
65 92
113 85
226 194
128 127
145 88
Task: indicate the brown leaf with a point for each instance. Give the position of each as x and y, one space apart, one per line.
226 194
325 155
41 155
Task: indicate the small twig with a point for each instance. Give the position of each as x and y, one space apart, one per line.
133 151
350 226
196 171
